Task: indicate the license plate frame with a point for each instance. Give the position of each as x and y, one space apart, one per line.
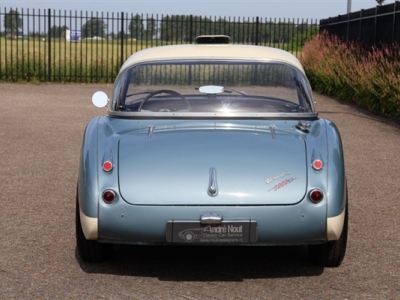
228 232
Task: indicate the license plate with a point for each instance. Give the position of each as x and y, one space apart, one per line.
240 232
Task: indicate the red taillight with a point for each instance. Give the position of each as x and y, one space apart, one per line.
317 164
107 166
108 196
316 196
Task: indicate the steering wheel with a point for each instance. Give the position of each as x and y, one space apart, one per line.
170 92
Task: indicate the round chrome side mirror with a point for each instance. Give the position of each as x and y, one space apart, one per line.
100 99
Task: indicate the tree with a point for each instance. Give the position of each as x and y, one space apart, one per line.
94 27
36 34
120 34
380 2
222 26
151 29
58 31
12 22
175 28
304 33
136 27
111 36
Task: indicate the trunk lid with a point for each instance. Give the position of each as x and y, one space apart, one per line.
212 166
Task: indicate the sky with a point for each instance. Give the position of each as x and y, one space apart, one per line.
285 9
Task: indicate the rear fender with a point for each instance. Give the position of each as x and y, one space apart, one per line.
93 180
336 188
88 190
324 143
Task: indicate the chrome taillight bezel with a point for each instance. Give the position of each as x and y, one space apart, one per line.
316 196
107 166
109 196
317 164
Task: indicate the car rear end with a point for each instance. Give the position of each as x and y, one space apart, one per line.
250 180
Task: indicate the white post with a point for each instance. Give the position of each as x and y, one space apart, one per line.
348 6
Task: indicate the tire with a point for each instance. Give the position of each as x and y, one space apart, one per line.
90 251
331 254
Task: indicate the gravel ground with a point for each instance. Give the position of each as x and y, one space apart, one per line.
41 129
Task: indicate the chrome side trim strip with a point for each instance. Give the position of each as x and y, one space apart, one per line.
215 115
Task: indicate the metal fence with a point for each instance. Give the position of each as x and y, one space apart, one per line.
372 27
71 46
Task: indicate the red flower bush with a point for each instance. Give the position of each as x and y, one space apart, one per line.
370 79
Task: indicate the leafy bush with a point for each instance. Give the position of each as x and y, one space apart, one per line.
370 79
302 37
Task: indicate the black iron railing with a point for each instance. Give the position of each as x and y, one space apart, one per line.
72 46
371 27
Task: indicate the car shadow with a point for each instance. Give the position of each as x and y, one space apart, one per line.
211 263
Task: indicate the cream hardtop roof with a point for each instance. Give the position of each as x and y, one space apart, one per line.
214 51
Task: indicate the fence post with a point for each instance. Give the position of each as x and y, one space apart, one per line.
122 39
348 27
376 23
360 27
394 23
191 29
49 45
257 29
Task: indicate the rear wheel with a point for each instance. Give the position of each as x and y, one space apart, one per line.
90 251
331 254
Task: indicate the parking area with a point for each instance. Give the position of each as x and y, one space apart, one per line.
41 127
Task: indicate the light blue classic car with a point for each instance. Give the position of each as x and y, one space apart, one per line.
211 143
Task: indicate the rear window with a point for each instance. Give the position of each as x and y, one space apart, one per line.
212 86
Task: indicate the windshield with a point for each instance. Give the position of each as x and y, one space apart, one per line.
212 87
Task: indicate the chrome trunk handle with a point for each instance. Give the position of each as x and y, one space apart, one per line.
211 219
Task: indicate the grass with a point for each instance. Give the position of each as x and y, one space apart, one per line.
368 78
89 61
